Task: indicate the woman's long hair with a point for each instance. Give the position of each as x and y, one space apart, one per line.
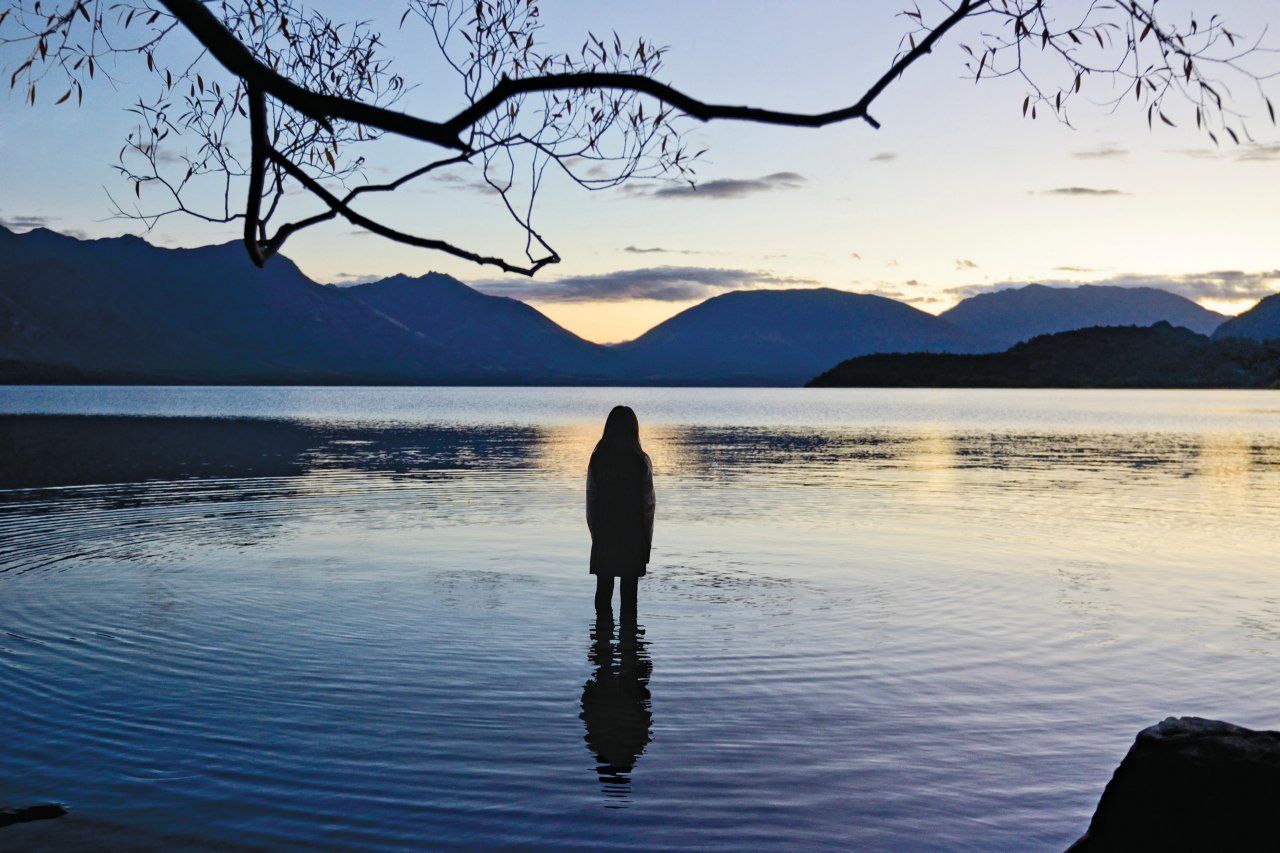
619 447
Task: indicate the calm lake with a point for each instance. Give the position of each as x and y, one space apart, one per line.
328 617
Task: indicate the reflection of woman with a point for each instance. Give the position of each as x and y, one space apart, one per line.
616 706
620 506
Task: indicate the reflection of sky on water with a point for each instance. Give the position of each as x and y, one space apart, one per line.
136 479
907 633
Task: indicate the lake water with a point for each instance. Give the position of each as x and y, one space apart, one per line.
325 618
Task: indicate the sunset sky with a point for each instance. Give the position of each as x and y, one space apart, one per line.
956 193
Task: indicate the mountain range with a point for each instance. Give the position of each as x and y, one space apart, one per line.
122 310
1007 317
126 309
783 337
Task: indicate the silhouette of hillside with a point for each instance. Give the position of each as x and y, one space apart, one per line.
756 337
1008 317
1158 356
123 309
506 334
120 310
1259 323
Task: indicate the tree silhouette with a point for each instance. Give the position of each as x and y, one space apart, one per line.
314 92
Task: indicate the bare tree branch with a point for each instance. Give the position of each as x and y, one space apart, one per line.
312 91
354 218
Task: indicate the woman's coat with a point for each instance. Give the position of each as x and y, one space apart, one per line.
620 510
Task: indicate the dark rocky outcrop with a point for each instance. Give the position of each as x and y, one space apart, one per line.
1191 784
10 815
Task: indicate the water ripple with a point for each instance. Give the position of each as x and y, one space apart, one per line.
913 634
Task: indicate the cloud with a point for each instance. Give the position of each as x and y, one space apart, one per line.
348 279
1102 152
1217 284
1253 153
884 157
1074 269
14 222
660 250
470 182
1080 191
1259 153
965 264
722 188
899 290
666 284
1200 153
26 223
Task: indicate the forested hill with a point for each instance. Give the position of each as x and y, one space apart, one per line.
1158 356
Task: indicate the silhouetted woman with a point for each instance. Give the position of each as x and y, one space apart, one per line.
620 506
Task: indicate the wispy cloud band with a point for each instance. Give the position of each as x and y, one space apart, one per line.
724 188
1226 285
665 284
1082 191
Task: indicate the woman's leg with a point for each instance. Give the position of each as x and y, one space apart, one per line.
604 593
630 591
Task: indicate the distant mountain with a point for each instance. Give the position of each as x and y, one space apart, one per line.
1261 322
1007 317
1159 356
123 308
759 337
511 336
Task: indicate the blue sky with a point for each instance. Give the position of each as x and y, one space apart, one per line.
955 193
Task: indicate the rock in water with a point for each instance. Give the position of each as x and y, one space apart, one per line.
1191 784
26 814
